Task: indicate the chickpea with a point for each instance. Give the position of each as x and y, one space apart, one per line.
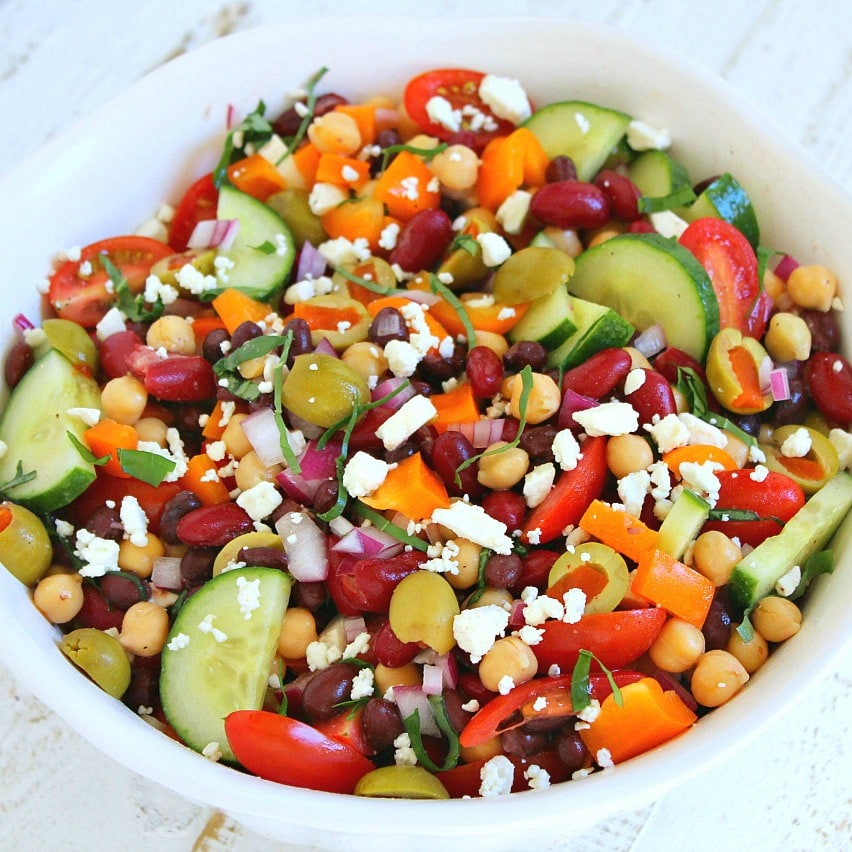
508 657
172 333
253 368
628 454
715 555
752 654
365 358
140 560
496 342
59 597
812 286
424 140
544 400
492 597
717 678
457 167
144 629
677 646
602 235
736 448
236 442
335 133
567 241
501 470
151 429
384 677
681 402
637 359
252 470
468 562
483 751
776 619
298 630
124 399
788 338
777 291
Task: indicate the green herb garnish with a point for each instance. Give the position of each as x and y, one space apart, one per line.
426 153
412 727
484 555
372 286
380 522
308 117
147 467
821 562
437 286
85 453
283 434
18 479
465 242
581 689
133 307
682 195
253 130
745 628
690 385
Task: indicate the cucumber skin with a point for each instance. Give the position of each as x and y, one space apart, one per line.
756 575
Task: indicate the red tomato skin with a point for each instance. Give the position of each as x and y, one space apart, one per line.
198 204
115 350
777 496
287 751
465 779
346 728
830 386
731 263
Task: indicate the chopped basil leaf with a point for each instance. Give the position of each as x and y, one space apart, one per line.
465 242
484 554
581 688
308 117
744 628
266 247
133 307
177 606
254 129
821 562
764 255
372 286
690 385
355 704
733 515
148 467
85 453
257 347
721 422
682 195
18 479
437 286
426 153
380 522
283 434
412 727
340 463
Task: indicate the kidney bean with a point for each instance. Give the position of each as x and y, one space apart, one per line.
310 595
599 375
449 451
623 195
503 570
538 442
525 353
824 328
196 566
671 358
435 368
180 378
560 168
535 569
326 688
122 591
105 523
570 204
653 396
381 723
114 352
422 241
18 361
186 417
287 124
471 686
211 348
571 749
213 526
457 717
388 324
263 557
519 742
389 649
181 504
97 611
484 371
828 377
508 507
640 226
325 496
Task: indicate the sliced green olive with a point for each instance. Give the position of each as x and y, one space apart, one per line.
374 269
342 336
71 340
167 268
230 552
292 206
733 372
422 609
25 547
530 273
465 262
596 569
816 420
101 657
323 389
401 782
810 471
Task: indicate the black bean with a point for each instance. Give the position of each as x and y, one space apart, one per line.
244 332
571 750
263 557
196 566
181 504
521 742
825 330
381 723
387 325
123 591
525 353
327 688
105 523
212 346
310 595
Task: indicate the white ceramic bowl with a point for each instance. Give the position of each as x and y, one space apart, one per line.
111 171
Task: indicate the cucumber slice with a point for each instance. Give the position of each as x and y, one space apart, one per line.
585 132
726 199
210 676
683 523
648 279
263 251
598 327
549 320
33 427
807 532
656 174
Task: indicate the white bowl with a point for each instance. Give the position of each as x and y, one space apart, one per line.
110 172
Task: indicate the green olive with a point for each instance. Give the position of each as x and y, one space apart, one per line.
167 268
71 340
101 657
374 269
292 206
811 471
231 550
816 420
465 263
401 782
422 608
598 570
531 272
25 547
733 370
356 330
323 389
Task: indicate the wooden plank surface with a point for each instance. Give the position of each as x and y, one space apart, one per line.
789 790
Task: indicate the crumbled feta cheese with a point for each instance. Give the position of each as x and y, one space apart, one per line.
842 442
194 280
475 630
341 251
496 776
635 379
566 450
445 562
63 528
759 474
248 596
530 635
797 445
362 684
389 236
608 418
643 137
134 520
363 474
603 758
111 323
495 250
536 777
440 111
357 646
470 706
34 337
788 584
512 213
156 289
260 501
505 685
320 655
537 483
404 754
99 555
702 479
591 711
212 751
667 224
575 604
216 451
701 432
506 98
402 358
206 626
472 522
178 642
404 422
632 489
534 535
668 432
539 609
89 416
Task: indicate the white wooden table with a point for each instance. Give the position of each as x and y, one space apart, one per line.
789 790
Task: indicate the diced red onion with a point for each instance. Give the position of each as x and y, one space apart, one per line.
340 526
389 386
166 573
214 233
22 324
449 670
779 385
411 698
433 680
369 542
230 117
294 691
516 616
311 263
319 463
764 372
310 430
296 486
571 402
481 433
353 626
651 341
423 297
262 432
669 684
324 347
785 266
304 544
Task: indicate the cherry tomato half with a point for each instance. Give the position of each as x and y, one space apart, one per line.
198 204
83 298
731 264
288 751
459 86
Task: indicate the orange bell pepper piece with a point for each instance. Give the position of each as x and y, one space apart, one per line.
411 488
235 307
361 217
212 431
365 117
342 171
496 318
507 164
455 406
321 317
404 187
307 159
647 718
107 437
202 326
256 176
698 453
620 531
675 587
210 491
